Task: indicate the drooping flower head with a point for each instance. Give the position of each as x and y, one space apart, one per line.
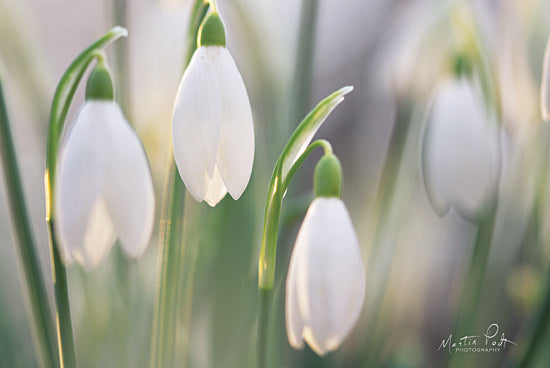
545 84
212 128
461 157
103 187
325 284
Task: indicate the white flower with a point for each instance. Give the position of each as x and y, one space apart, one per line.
103 187
461 157
325 284
545 84
213 133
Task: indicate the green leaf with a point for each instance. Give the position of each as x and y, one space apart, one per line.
304 133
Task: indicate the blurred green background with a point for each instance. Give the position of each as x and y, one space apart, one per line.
291 55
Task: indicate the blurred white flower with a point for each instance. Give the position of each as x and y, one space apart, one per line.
545 85
103 187
212 131
325 284
461 156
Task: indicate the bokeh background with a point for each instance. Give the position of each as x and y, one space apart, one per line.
291 55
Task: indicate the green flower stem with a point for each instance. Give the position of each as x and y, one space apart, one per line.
44 332
266 296
318 143
476 273
199 12
171 259
60 106
290 160
273 211
119 10
384 202
213 5
473 284
537 328
305 50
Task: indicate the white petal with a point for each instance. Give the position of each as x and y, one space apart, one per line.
545 84
196 124
128 189
330 278
216 189
293 318
236 145
78 187
461 156
98 239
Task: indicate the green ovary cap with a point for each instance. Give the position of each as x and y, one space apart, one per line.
327 179
212 31
100 85
462 65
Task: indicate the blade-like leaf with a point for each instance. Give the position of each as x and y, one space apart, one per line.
304 133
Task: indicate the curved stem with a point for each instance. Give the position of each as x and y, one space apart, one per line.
268 251
273 211
44 333
60 106
213 6
318 143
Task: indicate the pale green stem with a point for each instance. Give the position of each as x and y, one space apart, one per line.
303 69
121 64
473 284
171 259
537 328
60 106
269 244
384 202
318 143
44 333
213 5
273 211
266 296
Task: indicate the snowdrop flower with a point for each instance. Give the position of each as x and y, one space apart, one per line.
545 84
103 187
212 129
325 284
461 157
